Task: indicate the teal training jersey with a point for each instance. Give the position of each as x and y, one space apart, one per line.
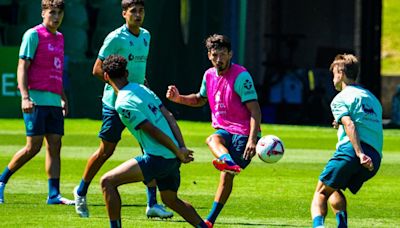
137 104
365 111
134 49
27 51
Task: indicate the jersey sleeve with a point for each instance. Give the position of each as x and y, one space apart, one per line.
339 109
244 87
29 44
203 88
130 115
156 98
109 47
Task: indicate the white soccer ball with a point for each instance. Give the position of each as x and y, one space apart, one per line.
270 149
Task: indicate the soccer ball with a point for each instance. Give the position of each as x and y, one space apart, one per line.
270 149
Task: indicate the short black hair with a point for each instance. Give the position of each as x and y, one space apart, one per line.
115 66
125 4
218 41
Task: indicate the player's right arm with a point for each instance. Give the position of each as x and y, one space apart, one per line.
98 70
110 46
22 77
193 100
27 52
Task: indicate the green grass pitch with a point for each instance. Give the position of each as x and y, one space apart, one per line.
264 195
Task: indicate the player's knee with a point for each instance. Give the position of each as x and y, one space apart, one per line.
209 139
33 148
106 182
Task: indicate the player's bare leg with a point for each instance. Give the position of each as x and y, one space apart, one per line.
223 161
217 145
97 159
32 147
53 167
221 196
319 203
127 172
95 162
53 160
183 208
338 204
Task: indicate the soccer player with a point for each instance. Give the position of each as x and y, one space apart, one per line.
358 117
132 42
235 113
44 104
164 149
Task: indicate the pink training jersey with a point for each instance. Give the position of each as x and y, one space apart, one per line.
227 110
46 70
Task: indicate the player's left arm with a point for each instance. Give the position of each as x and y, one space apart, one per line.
244 87
174 126
183 154
255 120
352 133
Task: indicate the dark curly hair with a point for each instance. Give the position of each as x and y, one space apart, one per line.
218 41
115 66
50 4
125 4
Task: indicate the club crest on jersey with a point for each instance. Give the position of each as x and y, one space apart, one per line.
126 113
131 43
368 110
130 57
153 108
247 84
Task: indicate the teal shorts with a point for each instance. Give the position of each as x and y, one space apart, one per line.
44 120
345 171
112 127
164 171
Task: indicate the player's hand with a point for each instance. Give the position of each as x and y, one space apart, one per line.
250 150
27 105
185 155
64 105
173 93
335 124
366 161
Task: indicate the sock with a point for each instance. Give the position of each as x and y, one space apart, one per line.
341 219
54 187
115 223
151 196
215 210
318 221
226 157
6 175
83 187
202 224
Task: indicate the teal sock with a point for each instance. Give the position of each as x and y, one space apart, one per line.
54 187
151 196
341 219
83 188
226 157
318 221
215 210
115 223
5 175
